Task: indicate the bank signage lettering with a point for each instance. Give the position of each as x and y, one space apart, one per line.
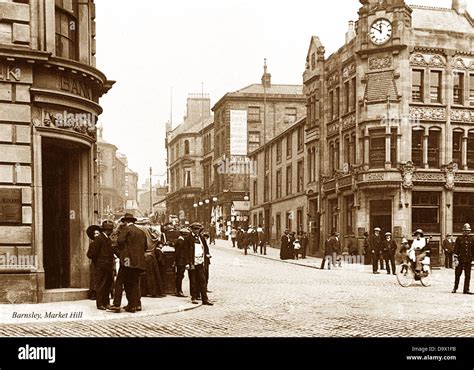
10 73
75 86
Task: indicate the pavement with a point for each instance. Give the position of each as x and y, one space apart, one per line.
261 296
71 311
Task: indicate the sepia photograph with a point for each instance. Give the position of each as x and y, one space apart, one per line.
238 169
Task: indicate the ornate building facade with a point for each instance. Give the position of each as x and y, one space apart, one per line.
394 110
49 102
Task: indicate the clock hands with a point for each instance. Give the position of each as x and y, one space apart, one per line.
378 28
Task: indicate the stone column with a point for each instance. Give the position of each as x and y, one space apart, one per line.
399 146
425 148
366 150
464 152
388 163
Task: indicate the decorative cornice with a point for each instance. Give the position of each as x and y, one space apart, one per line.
462 115
427 60
427 113
380 62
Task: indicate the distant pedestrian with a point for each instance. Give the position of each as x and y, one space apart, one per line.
328 251
212 234
291 245
389 250
262 243
296 247
233 236
375 246
304 245
284 246
337 250
366 250
448 248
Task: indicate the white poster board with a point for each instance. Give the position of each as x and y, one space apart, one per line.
238 132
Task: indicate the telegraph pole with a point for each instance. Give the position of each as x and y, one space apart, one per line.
151 192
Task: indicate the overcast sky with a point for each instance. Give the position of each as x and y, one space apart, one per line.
150 46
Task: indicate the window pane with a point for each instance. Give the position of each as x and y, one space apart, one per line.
463 210
377 149
417 148
458 86
417 86
435 87
433 149
457 148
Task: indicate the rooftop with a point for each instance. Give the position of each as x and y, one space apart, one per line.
273 89
194 128
440 19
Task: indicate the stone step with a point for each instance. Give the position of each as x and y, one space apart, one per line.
64 294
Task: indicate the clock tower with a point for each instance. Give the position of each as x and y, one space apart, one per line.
382 37
382 24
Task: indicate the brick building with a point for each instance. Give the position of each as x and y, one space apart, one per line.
268 110
394 108
278 199
49 102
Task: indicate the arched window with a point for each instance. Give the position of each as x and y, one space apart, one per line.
186 147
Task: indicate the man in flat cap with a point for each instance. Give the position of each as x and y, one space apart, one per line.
197 253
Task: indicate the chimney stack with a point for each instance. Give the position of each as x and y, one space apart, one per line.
267 77
459 6
350 34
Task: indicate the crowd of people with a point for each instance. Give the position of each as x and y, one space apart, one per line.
249 237
129 257
380 251
292 245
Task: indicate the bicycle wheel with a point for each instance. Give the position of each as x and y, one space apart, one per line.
405 275
426 276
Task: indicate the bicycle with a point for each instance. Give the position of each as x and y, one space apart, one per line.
407 272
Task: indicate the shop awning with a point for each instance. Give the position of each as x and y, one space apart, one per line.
241 205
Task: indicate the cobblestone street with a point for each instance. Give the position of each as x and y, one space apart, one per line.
257 296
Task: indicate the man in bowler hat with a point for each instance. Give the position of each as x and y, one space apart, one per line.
132 244
102 254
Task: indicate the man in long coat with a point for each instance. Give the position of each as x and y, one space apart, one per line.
132 245
102 255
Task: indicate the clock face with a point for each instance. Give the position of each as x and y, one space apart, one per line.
380 31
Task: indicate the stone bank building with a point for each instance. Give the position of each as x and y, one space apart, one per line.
49 101
393 111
